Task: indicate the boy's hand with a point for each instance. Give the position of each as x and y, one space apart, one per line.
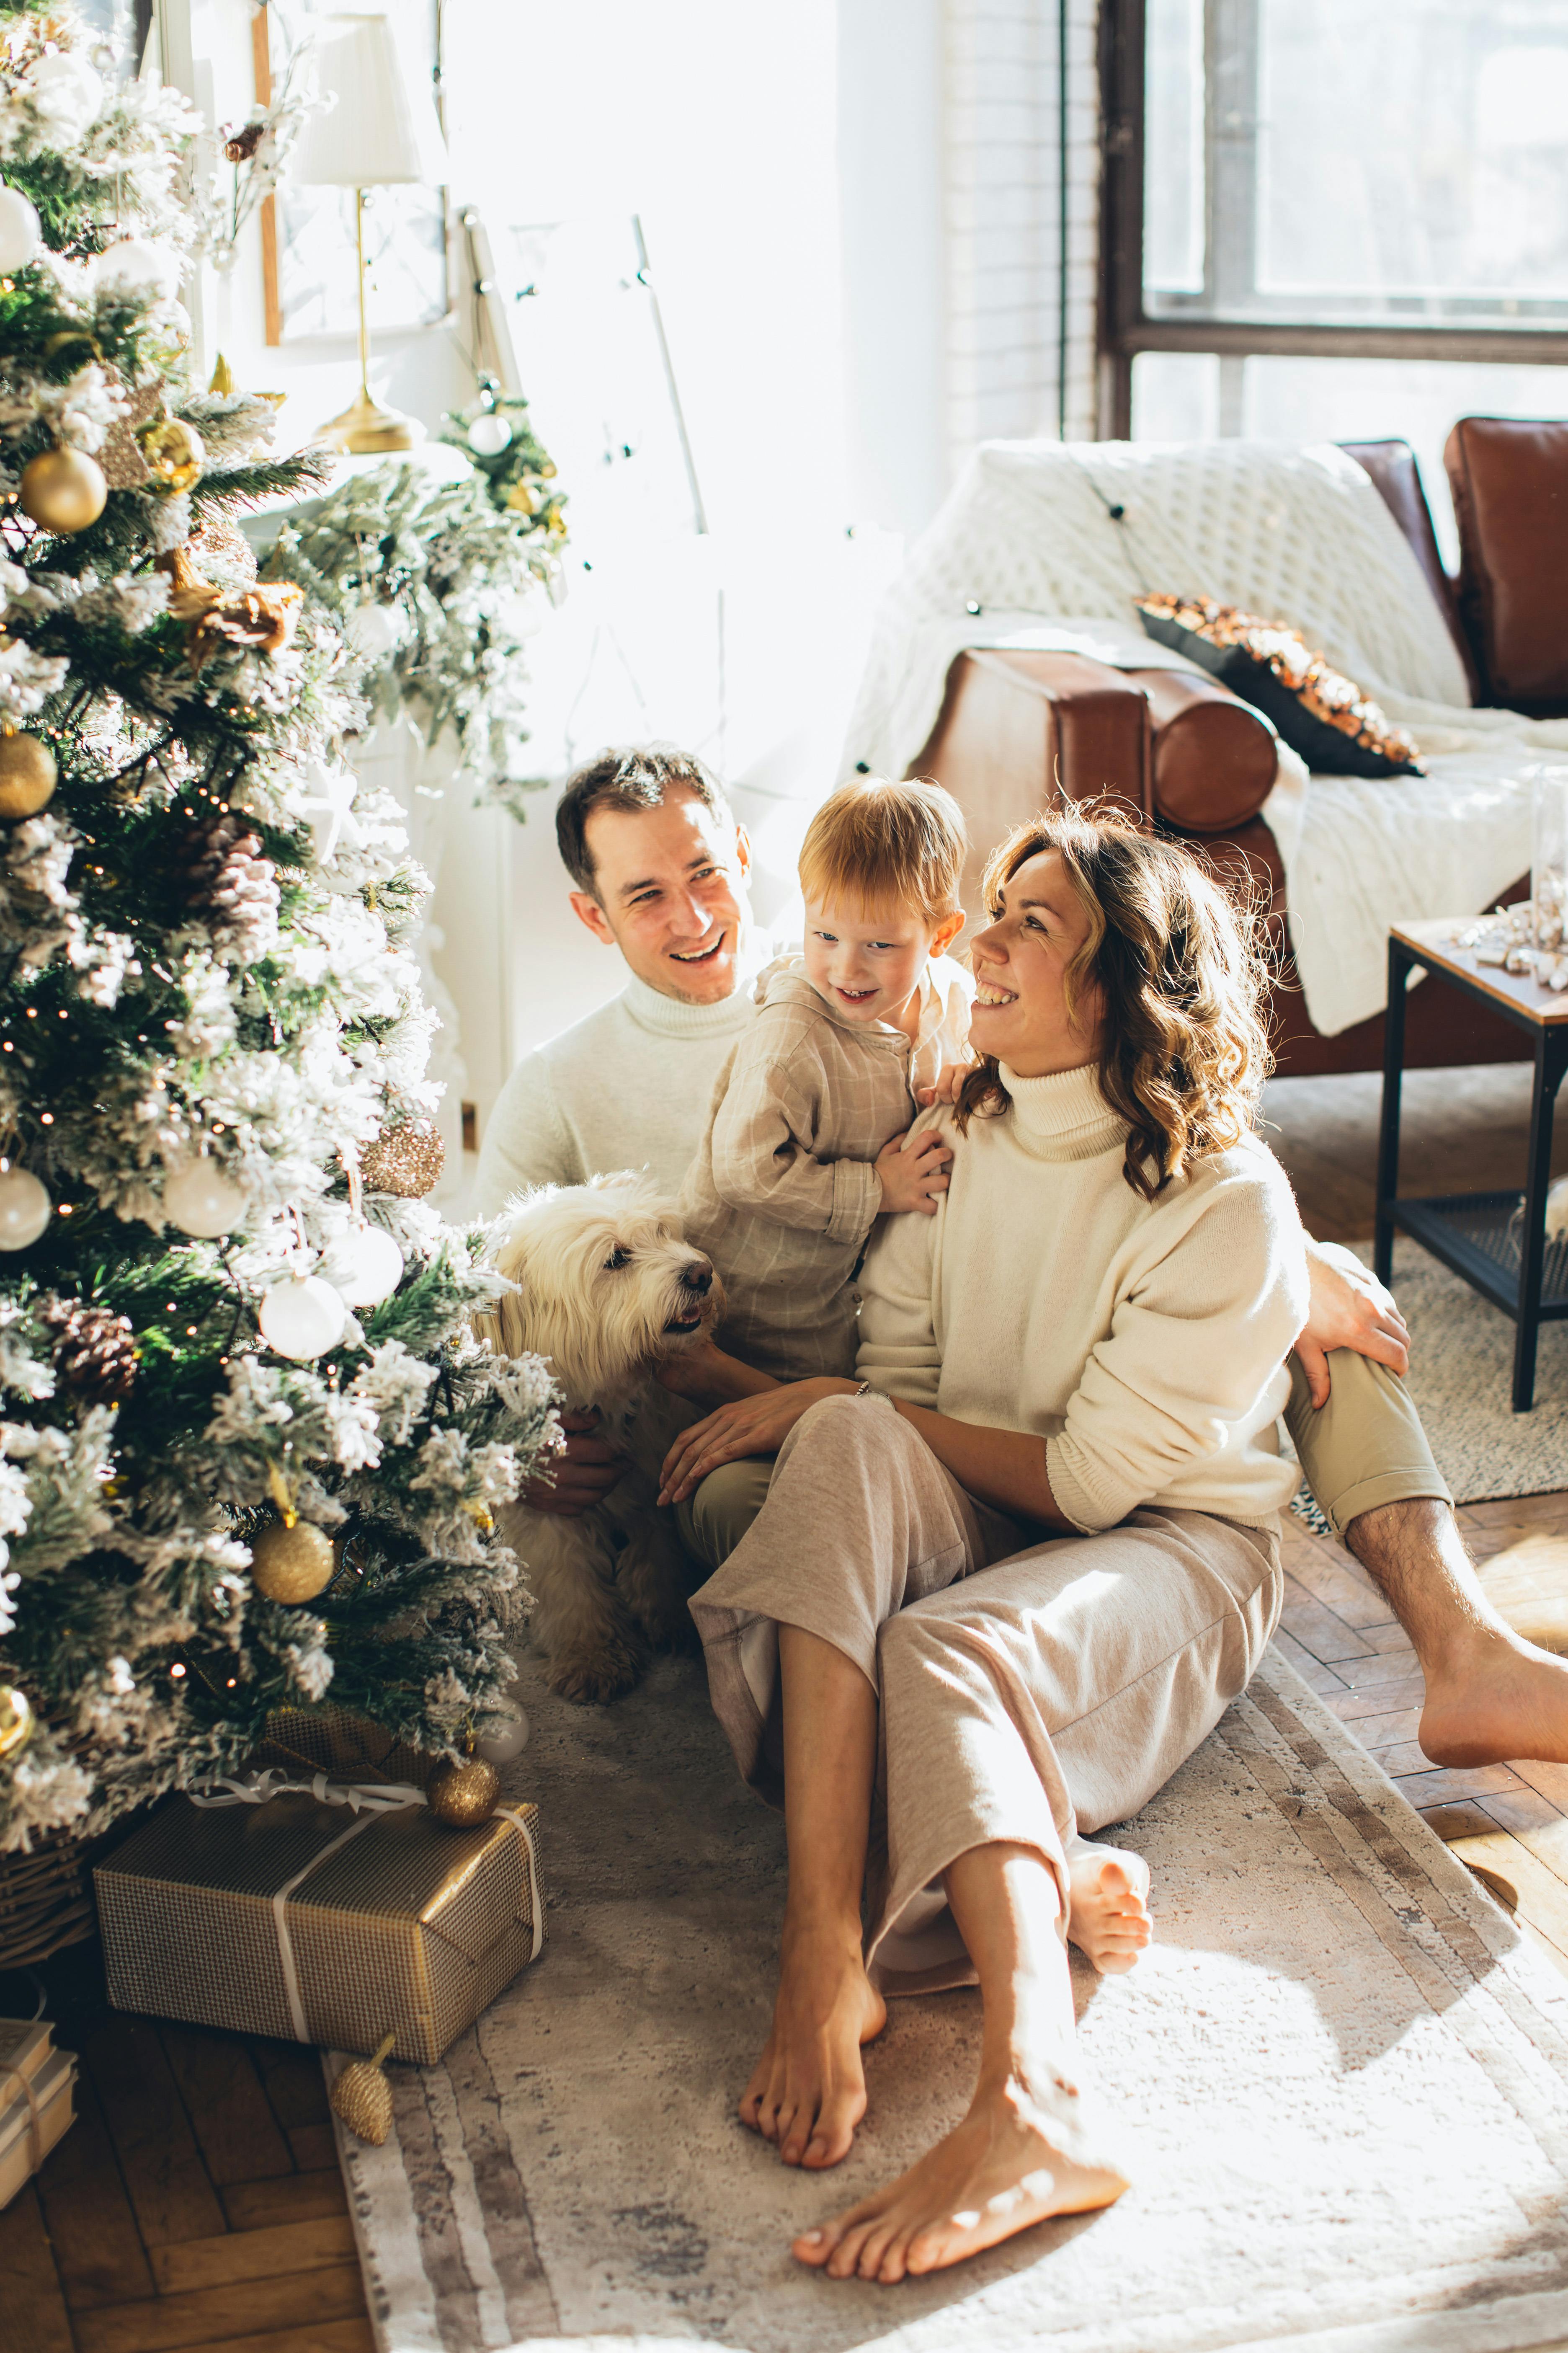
949 1079
915 1179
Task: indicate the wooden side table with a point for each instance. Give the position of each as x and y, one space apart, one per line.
1484 1236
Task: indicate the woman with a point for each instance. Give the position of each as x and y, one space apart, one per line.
1034 1552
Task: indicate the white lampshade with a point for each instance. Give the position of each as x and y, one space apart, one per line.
379 132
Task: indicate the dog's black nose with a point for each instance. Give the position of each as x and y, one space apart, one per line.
699 1279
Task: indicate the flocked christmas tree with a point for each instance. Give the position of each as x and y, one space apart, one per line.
249 1454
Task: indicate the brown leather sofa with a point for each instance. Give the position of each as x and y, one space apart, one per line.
1022 731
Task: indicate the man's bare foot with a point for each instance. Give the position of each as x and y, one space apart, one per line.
1107 1914
1012 2162
1500 1698
808 2091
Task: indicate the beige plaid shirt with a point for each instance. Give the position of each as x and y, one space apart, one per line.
782 1192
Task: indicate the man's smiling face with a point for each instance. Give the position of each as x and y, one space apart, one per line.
670 893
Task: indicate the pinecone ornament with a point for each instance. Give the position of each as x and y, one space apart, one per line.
94 1351
227 884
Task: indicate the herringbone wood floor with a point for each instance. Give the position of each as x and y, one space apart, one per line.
196 2204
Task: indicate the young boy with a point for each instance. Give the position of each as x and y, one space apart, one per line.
803 1146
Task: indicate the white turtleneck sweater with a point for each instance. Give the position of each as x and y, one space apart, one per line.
1144 1340
629 1086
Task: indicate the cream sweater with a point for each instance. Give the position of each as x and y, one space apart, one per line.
1144 1341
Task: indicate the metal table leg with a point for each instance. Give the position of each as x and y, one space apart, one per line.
1400 960
1550 1057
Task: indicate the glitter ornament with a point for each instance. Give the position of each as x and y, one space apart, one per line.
362 2096
64 489
500 1748
463 1792
19 232
28 775
488 435
405 1160
24 1208
201 1200
173 450
302 1317
364 1265
291 1563
15 1719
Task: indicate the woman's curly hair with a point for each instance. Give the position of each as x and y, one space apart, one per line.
1183 1052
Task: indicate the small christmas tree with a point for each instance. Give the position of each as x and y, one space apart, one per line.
250 1450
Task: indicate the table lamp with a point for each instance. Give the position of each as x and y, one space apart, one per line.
378 134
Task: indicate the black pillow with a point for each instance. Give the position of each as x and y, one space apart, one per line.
1337 730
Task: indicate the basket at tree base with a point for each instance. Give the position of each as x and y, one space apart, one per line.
45 1899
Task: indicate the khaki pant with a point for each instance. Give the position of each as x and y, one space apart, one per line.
1364 1448
1030 1685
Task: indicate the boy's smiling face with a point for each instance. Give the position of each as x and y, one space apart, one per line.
869 963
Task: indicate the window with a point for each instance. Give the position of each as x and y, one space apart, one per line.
1301 203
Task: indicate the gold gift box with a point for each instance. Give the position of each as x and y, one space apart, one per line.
404 1925
336 1741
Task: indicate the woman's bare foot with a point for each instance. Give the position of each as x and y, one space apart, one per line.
1498 1698
1012 2162
808 2091
1108 1916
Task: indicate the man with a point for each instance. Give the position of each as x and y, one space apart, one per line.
659 869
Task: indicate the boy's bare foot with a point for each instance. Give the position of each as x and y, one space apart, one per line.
808 2091
1012 2162
1500 1697
1107 1915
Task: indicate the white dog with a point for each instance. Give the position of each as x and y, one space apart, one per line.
608 1288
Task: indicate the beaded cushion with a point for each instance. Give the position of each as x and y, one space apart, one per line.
1336 729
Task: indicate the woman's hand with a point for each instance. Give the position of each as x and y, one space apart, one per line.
1348 1310
755 1425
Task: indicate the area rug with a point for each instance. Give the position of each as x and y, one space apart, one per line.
1461 1377
1338 2075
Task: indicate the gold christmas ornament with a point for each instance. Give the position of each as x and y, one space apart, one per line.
405 1160
64 489
174 452
124 467
523 499
292 1564
362 2096
28 775
463 1793
15 1719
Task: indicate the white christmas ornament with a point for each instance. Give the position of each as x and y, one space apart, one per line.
328 809
138 266
500 1748
24 1208
19 232
65 91
364 1265
201 1200
374 630
488 435
302 1317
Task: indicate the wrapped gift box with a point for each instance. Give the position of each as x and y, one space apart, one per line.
335 1740
312 1922
29 2126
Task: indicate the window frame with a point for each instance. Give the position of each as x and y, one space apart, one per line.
1125 328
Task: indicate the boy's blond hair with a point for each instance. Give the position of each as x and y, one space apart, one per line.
874 844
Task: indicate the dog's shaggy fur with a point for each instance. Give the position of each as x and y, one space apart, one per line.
607 1289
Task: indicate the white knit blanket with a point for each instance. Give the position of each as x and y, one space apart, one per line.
1296 534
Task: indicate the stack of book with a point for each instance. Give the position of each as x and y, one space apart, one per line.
38 2098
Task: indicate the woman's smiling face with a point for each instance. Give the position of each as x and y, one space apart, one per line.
1020 1014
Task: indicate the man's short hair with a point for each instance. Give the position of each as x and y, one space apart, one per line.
874 844
632 777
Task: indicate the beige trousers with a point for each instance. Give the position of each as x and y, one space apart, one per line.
1030 1685
1364 1448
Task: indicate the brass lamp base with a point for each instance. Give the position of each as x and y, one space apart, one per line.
365 428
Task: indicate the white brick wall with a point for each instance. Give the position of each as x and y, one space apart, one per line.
1001 219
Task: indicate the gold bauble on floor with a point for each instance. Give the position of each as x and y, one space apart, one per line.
362 2096
292 1564
464 1793
64 489
28 775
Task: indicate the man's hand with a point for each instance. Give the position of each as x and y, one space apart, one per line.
585 1471
916 1179
948 1081
1348 1310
